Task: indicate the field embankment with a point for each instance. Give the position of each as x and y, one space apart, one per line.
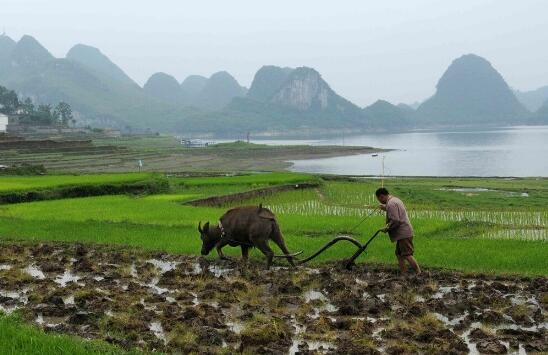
166 154
16 189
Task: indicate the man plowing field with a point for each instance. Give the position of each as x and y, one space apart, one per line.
398 228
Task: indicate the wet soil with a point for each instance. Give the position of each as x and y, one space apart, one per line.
173 303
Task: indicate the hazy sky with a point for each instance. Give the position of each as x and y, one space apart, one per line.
366 50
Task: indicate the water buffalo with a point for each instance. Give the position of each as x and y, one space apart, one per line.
246 227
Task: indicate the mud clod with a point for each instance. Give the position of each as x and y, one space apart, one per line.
182 304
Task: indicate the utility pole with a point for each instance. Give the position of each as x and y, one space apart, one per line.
247 137
382 171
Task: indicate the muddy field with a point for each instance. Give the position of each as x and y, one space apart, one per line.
185 304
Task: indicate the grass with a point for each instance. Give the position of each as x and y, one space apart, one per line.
19 338
21 183
455 239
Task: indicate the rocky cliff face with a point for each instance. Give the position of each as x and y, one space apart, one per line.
304 90
285 98
267 82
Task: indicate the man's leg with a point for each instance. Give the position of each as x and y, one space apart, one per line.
403 266
411 260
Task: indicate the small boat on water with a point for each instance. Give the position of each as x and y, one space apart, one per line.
374 155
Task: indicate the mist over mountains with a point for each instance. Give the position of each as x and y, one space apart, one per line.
470 92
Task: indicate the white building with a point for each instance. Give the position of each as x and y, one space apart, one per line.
3 122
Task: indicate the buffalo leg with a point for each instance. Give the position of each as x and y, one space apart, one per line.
245 253
219 248
265 249
281 244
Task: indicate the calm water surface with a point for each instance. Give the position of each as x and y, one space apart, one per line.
508 151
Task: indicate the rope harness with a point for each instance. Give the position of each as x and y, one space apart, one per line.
223 235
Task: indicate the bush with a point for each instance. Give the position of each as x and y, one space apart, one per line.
24 169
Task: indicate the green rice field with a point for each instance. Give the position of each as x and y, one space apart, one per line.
475 225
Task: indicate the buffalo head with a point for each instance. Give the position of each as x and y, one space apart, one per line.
208 236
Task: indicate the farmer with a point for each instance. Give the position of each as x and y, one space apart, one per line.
398 228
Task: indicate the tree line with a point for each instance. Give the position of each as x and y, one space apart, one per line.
28 113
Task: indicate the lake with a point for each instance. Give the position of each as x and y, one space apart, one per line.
507 151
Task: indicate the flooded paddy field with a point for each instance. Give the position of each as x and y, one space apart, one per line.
175 303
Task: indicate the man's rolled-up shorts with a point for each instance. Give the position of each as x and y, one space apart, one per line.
404 247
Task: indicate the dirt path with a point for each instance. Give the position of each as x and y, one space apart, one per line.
179 303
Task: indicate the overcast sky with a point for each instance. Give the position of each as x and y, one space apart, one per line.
366 50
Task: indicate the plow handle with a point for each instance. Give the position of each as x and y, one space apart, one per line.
328 245
350 262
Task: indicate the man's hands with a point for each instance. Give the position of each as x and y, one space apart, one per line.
385 229
382 207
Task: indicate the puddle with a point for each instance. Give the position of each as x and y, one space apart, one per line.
443 290
195 300
466 189
66 278
218 271
19 296
196 269
156 328
236 327
419 298
312 295
472 348
69 300
164 266
154 286
133 271
521 300
471 190
5 267
8 310
310 345
312 271
453 322
35 272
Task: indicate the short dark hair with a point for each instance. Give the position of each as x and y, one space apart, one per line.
381 191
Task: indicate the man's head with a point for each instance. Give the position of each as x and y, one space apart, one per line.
382 195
